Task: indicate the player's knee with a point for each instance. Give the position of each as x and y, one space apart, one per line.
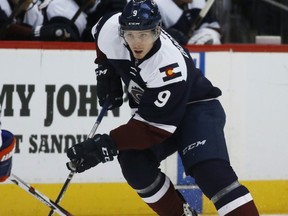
213 176
135 165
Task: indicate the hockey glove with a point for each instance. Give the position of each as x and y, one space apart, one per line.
205 36
87 154
109 86
55 32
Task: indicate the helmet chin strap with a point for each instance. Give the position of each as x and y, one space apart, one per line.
157 32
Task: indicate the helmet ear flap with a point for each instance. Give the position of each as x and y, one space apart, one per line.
121 32
157 32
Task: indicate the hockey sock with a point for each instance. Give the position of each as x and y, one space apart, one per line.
163 199
248 209
220 184
243 205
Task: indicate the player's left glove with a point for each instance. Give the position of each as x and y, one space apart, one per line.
87 154
205 36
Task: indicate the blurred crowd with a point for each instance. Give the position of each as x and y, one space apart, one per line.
243 20
72 20
52 20
227 21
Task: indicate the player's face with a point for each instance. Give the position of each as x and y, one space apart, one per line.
140 42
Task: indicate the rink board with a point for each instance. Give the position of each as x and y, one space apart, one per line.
49 104
119 199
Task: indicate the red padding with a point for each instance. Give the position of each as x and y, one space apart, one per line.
8 149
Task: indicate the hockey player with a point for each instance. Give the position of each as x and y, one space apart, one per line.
65 20
18 18
175 109
185 13
70 20
7 144
57 20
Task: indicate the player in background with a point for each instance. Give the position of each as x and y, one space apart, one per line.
185 13
7 144
75 17
57 20
175 108
18 18
100 8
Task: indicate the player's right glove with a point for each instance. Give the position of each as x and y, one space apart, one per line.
205 36
87 154
109 86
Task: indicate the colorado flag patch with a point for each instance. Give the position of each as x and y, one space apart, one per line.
170 72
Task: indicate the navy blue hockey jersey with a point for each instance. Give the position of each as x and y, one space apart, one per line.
160 85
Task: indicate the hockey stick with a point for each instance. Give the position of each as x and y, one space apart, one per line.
81 9
63 189
277 4
91 134
200 17
28 188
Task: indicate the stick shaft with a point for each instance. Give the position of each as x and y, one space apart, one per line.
69 178
91 134
41 197
277 4
99 119
201 15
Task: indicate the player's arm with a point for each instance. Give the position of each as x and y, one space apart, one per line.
100 148
109 84
208 31
161 113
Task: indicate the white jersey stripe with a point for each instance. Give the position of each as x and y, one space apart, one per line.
169 128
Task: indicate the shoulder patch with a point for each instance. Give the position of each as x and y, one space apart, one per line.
170 72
